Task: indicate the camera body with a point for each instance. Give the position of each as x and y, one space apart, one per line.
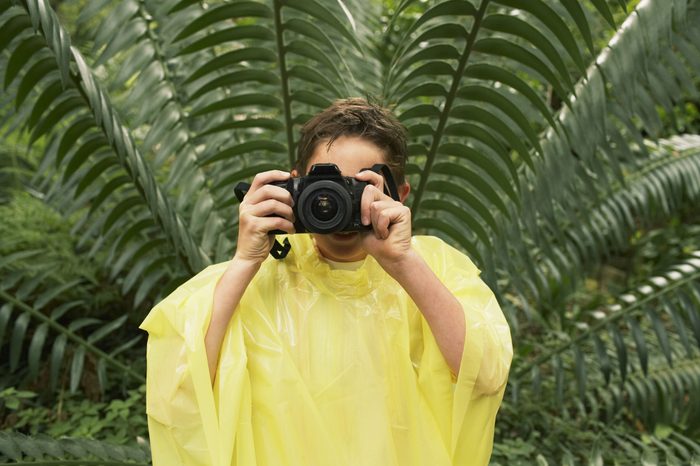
325 201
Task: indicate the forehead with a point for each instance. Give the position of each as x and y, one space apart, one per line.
349 153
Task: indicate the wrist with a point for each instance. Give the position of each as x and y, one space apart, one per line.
231 285
242 262
242 267
401 266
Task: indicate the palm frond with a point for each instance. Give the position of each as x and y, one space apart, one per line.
147 93
658 322
476 123
656 188
601 142
67 342
673 448
68 93
24 450
49 292
274 64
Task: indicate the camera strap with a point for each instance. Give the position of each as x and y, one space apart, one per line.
390 188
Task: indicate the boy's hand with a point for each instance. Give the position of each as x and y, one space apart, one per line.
389 242
263 209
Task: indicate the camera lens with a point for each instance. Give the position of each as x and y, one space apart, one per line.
324 207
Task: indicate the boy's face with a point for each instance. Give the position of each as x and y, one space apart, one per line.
350 154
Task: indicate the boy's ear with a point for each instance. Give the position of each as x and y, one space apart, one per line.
295 173
404 190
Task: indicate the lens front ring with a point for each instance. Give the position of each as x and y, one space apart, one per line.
324 207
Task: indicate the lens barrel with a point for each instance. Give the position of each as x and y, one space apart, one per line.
324 207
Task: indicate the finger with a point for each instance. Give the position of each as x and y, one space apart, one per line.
388 217
267 177
381 215
369 195
269 192
268 224
373 178
271 207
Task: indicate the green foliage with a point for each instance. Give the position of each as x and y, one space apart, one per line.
29 224
541 144
11 398
18 449
651 252
42 263
117 421
596 443
683 118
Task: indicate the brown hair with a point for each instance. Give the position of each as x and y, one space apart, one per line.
356 117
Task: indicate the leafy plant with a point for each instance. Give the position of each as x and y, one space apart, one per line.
12 398
47 282
17 449
118 421
540 144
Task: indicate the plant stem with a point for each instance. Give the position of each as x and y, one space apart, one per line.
449 101
284 80
72 336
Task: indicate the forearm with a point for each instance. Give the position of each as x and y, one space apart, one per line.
227 295
441 309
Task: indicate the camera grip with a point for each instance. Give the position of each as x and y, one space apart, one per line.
279 250
240 190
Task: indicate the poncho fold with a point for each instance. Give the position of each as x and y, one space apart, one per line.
323 366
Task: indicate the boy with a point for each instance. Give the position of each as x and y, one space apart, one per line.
364 348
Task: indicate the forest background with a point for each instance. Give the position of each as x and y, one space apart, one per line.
554 141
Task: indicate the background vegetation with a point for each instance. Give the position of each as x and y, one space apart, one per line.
554 141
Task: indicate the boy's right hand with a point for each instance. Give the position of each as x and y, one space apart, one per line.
263 209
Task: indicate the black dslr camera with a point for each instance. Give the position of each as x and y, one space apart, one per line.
324 200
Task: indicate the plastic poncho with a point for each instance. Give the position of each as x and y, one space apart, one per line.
323 366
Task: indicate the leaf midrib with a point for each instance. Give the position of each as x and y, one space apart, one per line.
604 322
449 101
284 79
72 336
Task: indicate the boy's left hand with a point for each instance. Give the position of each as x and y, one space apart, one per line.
390 239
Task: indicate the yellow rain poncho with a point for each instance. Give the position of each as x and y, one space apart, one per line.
323 366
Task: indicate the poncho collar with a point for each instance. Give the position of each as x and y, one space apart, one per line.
306 258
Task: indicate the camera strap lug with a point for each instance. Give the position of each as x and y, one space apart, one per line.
280 251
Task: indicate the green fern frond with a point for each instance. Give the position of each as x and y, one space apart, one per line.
658 320
16 315
74 92
600 144
18 449
655 189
